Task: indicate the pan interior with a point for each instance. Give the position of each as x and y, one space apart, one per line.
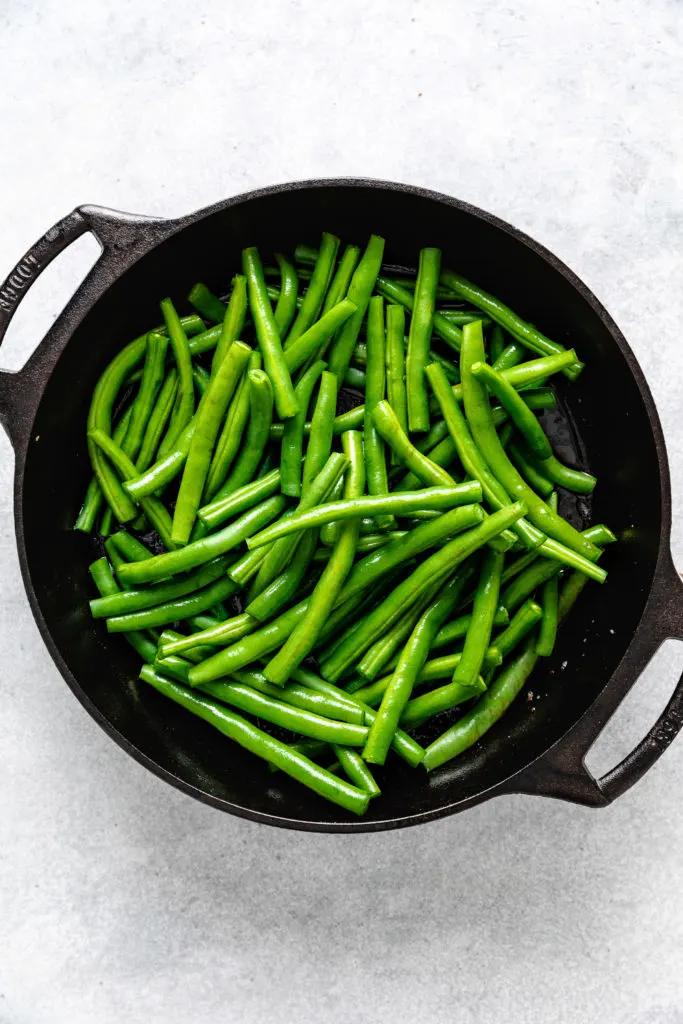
602 425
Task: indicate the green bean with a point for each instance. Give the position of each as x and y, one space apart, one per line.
413 657
127 601
132 549
94 497
330 531
260 416
443 698
263 745
268 337
478 412
564 476
442 455
519 412
285 309
431 671
472 457
373 445
547 633
420 333
251 494
460 316
511 355
436 498
405 746
312 344
152 377
324 597
525 618
381 652
232 322
503 315
422 538
355 378
478 635
457 629
315 294
157 421
230 438
216 635
351 420
164 469
357 770
447 331
425 469
292 439
320 438
154 510
437 566
297 695
248 565
182 413
497 344
280 591
206 303
104 580
198 552
250 648
370 542
396 366
529 470
348 611
282 550
360 289
207 424
174 611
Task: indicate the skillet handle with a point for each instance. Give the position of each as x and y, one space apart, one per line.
562 773
122 237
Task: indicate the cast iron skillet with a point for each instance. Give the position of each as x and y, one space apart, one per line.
610 421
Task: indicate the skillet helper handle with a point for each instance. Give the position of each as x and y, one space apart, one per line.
120 235
563 774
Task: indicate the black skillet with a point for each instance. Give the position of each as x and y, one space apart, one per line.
609 420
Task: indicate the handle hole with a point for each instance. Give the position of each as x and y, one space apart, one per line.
638 711
47 297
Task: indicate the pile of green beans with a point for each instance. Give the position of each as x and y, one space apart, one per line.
314 584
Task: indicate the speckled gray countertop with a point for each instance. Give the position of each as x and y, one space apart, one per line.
124 900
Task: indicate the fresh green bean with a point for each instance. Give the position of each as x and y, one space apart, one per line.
330 531
298 695
436 498
268 337
442 698
260 416
251 494
293 436
357 770
207 424
278 593
547 633
232 322
503 315
529 470
373 445
152 378
442 455
152 507
447 331
413 657
317 288
174 611
164 469
285 309
104 580
525 618
478 636
248 565
214 635
478 413
206 303
437 566
182 413
263 745
230 438
283 549
457 629
381 652
370 542
517 409
128 601
312 344
132 549
351 420
339 285
512 355
497 343
425 469
564 476
360 289
396 366
198 552
157 421
320 438
355 378
419 336
470 455
324 597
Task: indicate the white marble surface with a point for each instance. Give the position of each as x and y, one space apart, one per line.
120 898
